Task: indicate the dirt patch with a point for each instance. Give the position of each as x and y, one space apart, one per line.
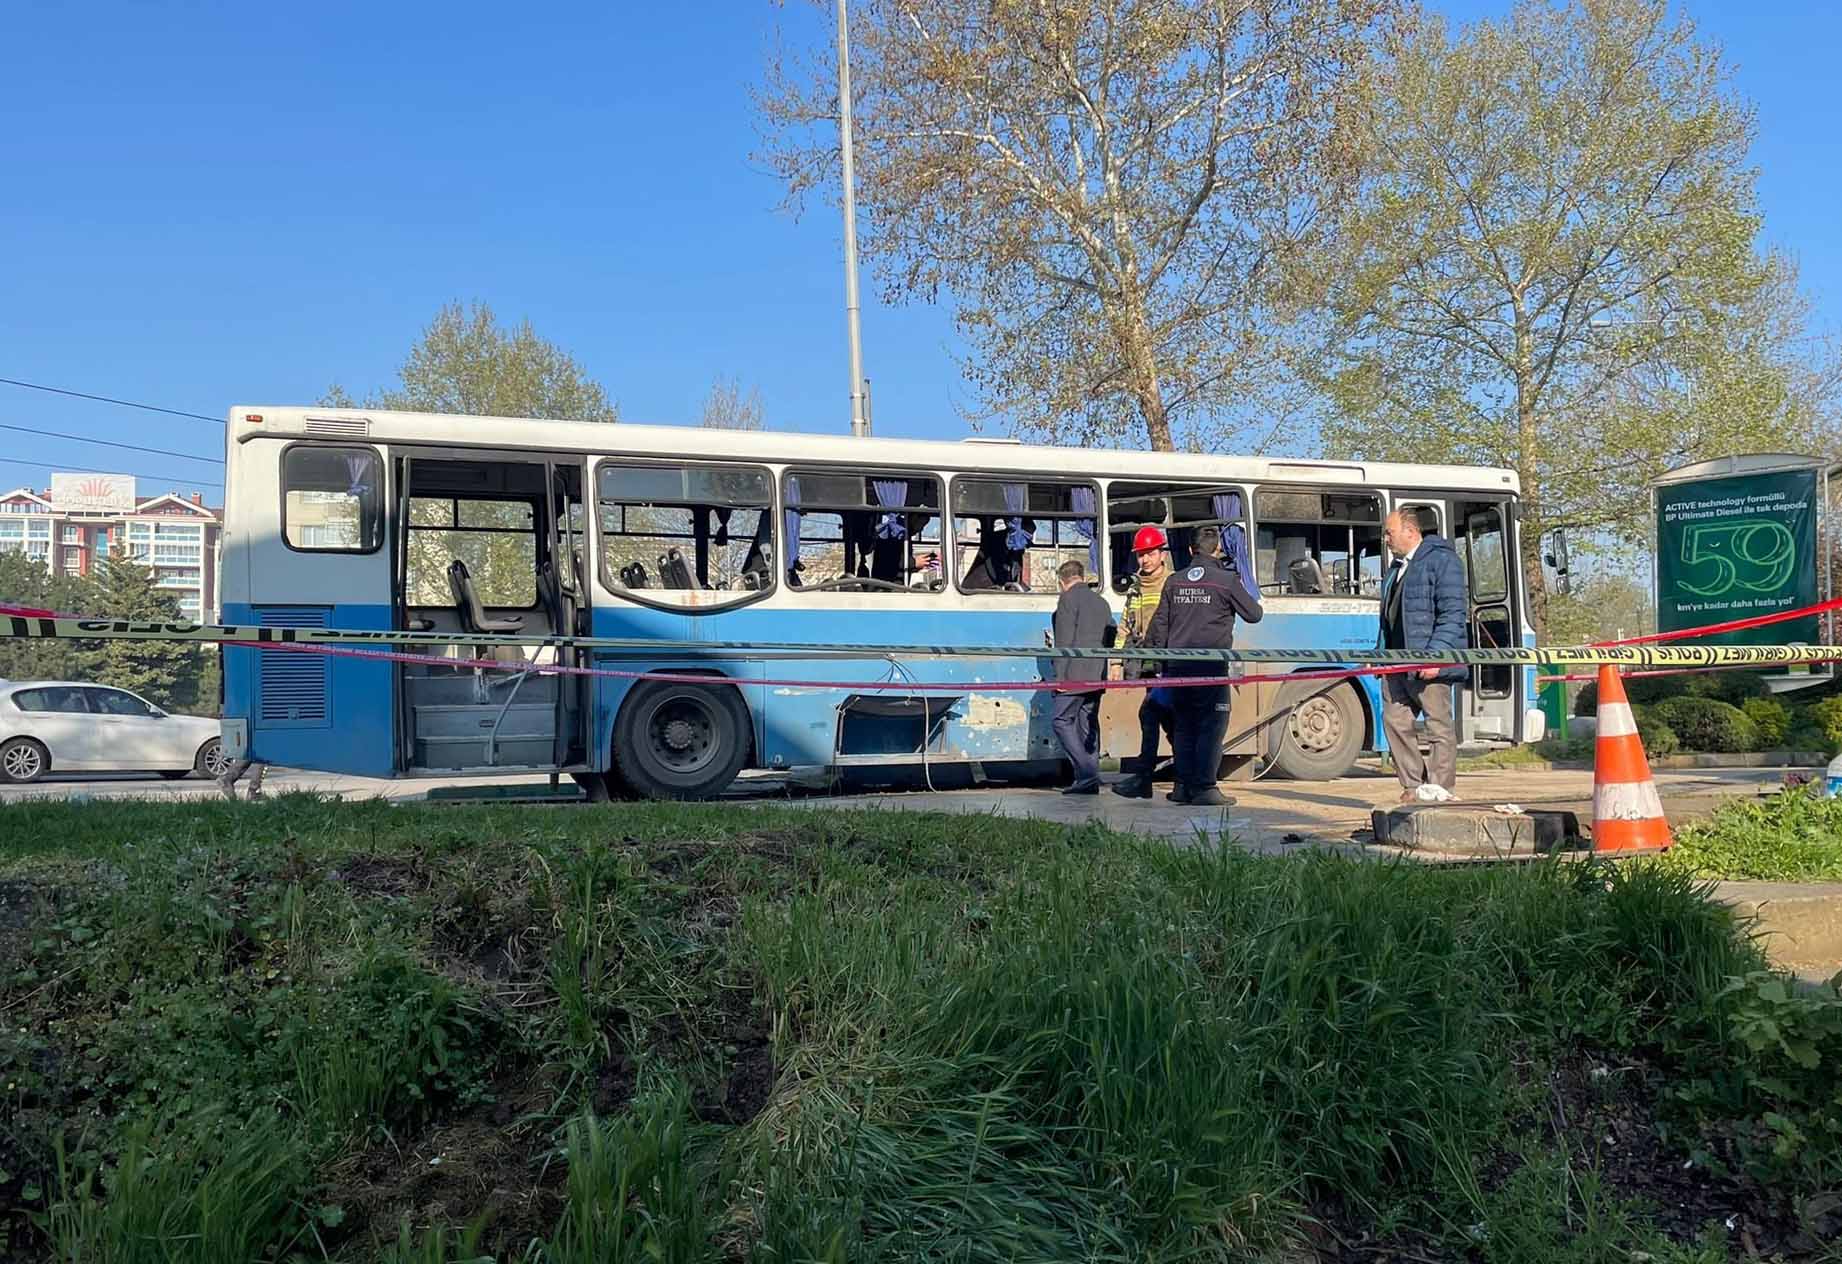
750 1085
493 1162
735 1047
392 876
676 859
20 904
615 1080
24 908
1605 1112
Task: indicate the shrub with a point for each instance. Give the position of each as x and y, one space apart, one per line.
1825 719
1771 717
1638 691
1658 738
1732 687
1572 750
1704 724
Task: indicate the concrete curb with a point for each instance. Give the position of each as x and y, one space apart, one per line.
1799 924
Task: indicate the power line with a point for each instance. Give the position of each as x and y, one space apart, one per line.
53 434
176 480
104 399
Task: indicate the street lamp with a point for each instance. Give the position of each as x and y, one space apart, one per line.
860 420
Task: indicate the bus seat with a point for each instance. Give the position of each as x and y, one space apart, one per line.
1288 549
681 571
467 603
1306 576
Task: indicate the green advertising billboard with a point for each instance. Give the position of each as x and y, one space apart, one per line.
1736 547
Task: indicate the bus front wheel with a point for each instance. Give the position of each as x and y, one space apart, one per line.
680 741
1322 733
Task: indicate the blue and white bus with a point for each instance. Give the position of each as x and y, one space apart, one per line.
374 520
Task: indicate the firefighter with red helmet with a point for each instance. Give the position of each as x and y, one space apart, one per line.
1152 550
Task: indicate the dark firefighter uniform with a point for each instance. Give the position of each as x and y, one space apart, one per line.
1197 612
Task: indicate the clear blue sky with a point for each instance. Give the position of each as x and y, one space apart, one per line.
219 203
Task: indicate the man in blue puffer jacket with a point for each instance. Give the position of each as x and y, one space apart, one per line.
1424 607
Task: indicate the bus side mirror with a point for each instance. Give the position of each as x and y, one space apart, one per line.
1555 557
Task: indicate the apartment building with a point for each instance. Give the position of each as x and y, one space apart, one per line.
83 518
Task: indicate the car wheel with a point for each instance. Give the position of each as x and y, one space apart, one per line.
212 762
23 760
679 741
1320 739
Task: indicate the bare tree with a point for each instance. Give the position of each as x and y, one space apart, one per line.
1106 189
726 407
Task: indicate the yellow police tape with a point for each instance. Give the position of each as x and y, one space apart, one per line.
34 628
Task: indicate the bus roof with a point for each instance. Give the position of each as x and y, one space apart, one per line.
785 447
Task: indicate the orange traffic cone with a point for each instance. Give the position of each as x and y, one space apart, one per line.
1627 814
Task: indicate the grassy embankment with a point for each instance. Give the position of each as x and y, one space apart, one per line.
352 1031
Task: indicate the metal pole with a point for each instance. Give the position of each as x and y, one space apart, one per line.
860 421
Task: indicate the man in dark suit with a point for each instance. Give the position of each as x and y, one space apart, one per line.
1424 607
1084 621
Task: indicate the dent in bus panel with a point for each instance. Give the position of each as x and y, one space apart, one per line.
861 533
688 537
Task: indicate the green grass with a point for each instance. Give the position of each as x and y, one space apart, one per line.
352 1031
1794 836
1535 755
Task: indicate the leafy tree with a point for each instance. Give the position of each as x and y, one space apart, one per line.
26 581
207 694
163 672
1602 607
1550 265
466 363
1106 189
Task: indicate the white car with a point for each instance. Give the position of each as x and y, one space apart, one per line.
49 726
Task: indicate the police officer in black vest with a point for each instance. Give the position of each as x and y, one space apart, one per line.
1197 613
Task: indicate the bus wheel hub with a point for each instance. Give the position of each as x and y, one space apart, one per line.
680 734
1317 725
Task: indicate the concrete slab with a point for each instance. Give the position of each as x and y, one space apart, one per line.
1449 830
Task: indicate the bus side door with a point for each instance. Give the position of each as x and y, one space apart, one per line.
1493 700
314 538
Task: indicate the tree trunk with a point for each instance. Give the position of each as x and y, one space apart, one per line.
1142 367
1528 471
1535 585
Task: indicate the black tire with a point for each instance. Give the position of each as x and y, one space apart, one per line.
210 762
1322 735
23 760
678 741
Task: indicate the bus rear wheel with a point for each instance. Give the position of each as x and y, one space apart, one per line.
680 741
1321 736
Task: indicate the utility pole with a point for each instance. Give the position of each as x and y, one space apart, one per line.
860 419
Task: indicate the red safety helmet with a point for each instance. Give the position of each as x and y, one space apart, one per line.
1149 538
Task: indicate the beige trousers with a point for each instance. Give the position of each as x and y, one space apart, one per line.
1403 696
